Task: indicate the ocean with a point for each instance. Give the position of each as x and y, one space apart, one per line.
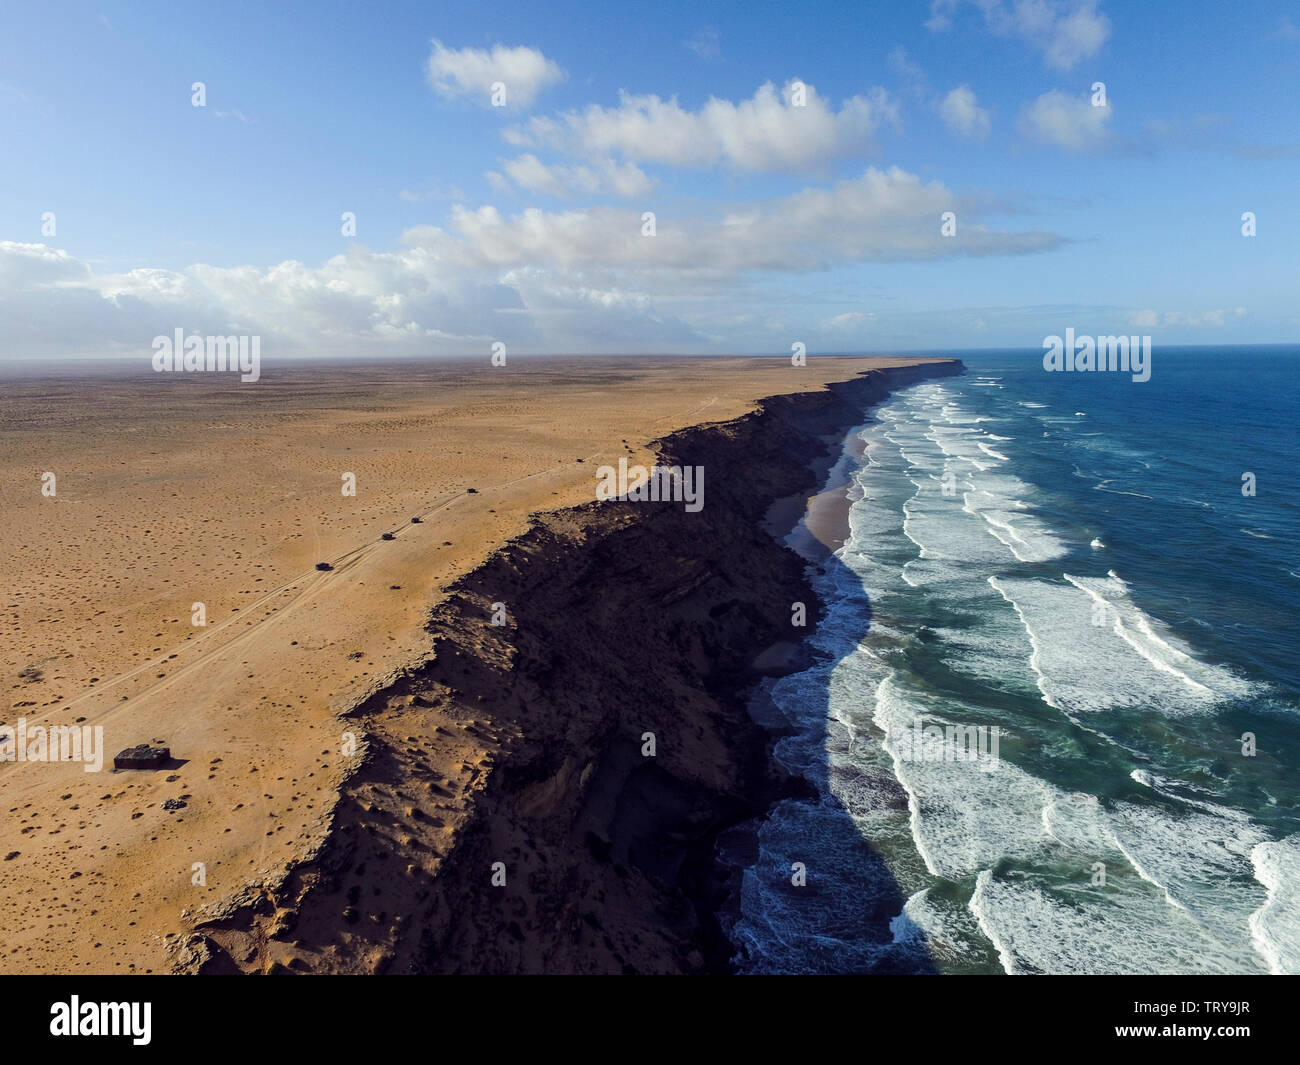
1077 561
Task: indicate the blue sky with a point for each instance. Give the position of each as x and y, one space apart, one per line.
775 223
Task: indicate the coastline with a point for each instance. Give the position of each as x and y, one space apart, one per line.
255 692
623 621
815 524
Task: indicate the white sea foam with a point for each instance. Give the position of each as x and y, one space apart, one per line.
1187 918
1201 862
941 529
1026 538
1119 929
1181 869
1077 821
1094 649
950 802
937 926
1275 926
1117 492
1162 652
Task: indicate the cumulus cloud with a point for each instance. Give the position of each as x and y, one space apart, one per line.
57 305
605 177
1065 31
36 264
550 280
1068 122
767 133
963 114
472 71
880 216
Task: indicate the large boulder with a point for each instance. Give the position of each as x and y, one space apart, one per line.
143 757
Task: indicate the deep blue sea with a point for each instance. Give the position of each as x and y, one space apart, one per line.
1070 558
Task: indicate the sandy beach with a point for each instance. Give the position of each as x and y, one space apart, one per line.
179 490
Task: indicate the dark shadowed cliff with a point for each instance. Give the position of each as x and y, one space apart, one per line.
622 619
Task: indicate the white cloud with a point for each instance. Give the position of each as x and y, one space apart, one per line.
549 280
432 192
912 76
765 133
1078 35
619 179
1148 319
37 264
705 43
962 112
880 216
846 322
1065 31
1068 122
472 71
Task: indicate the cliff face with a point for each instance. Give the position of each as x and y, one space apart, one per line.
539 833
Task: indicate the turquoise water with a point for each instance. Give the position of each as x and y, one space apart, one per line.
1070 558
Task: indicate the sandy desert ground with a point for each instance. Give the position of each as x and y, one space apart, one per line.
174 490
